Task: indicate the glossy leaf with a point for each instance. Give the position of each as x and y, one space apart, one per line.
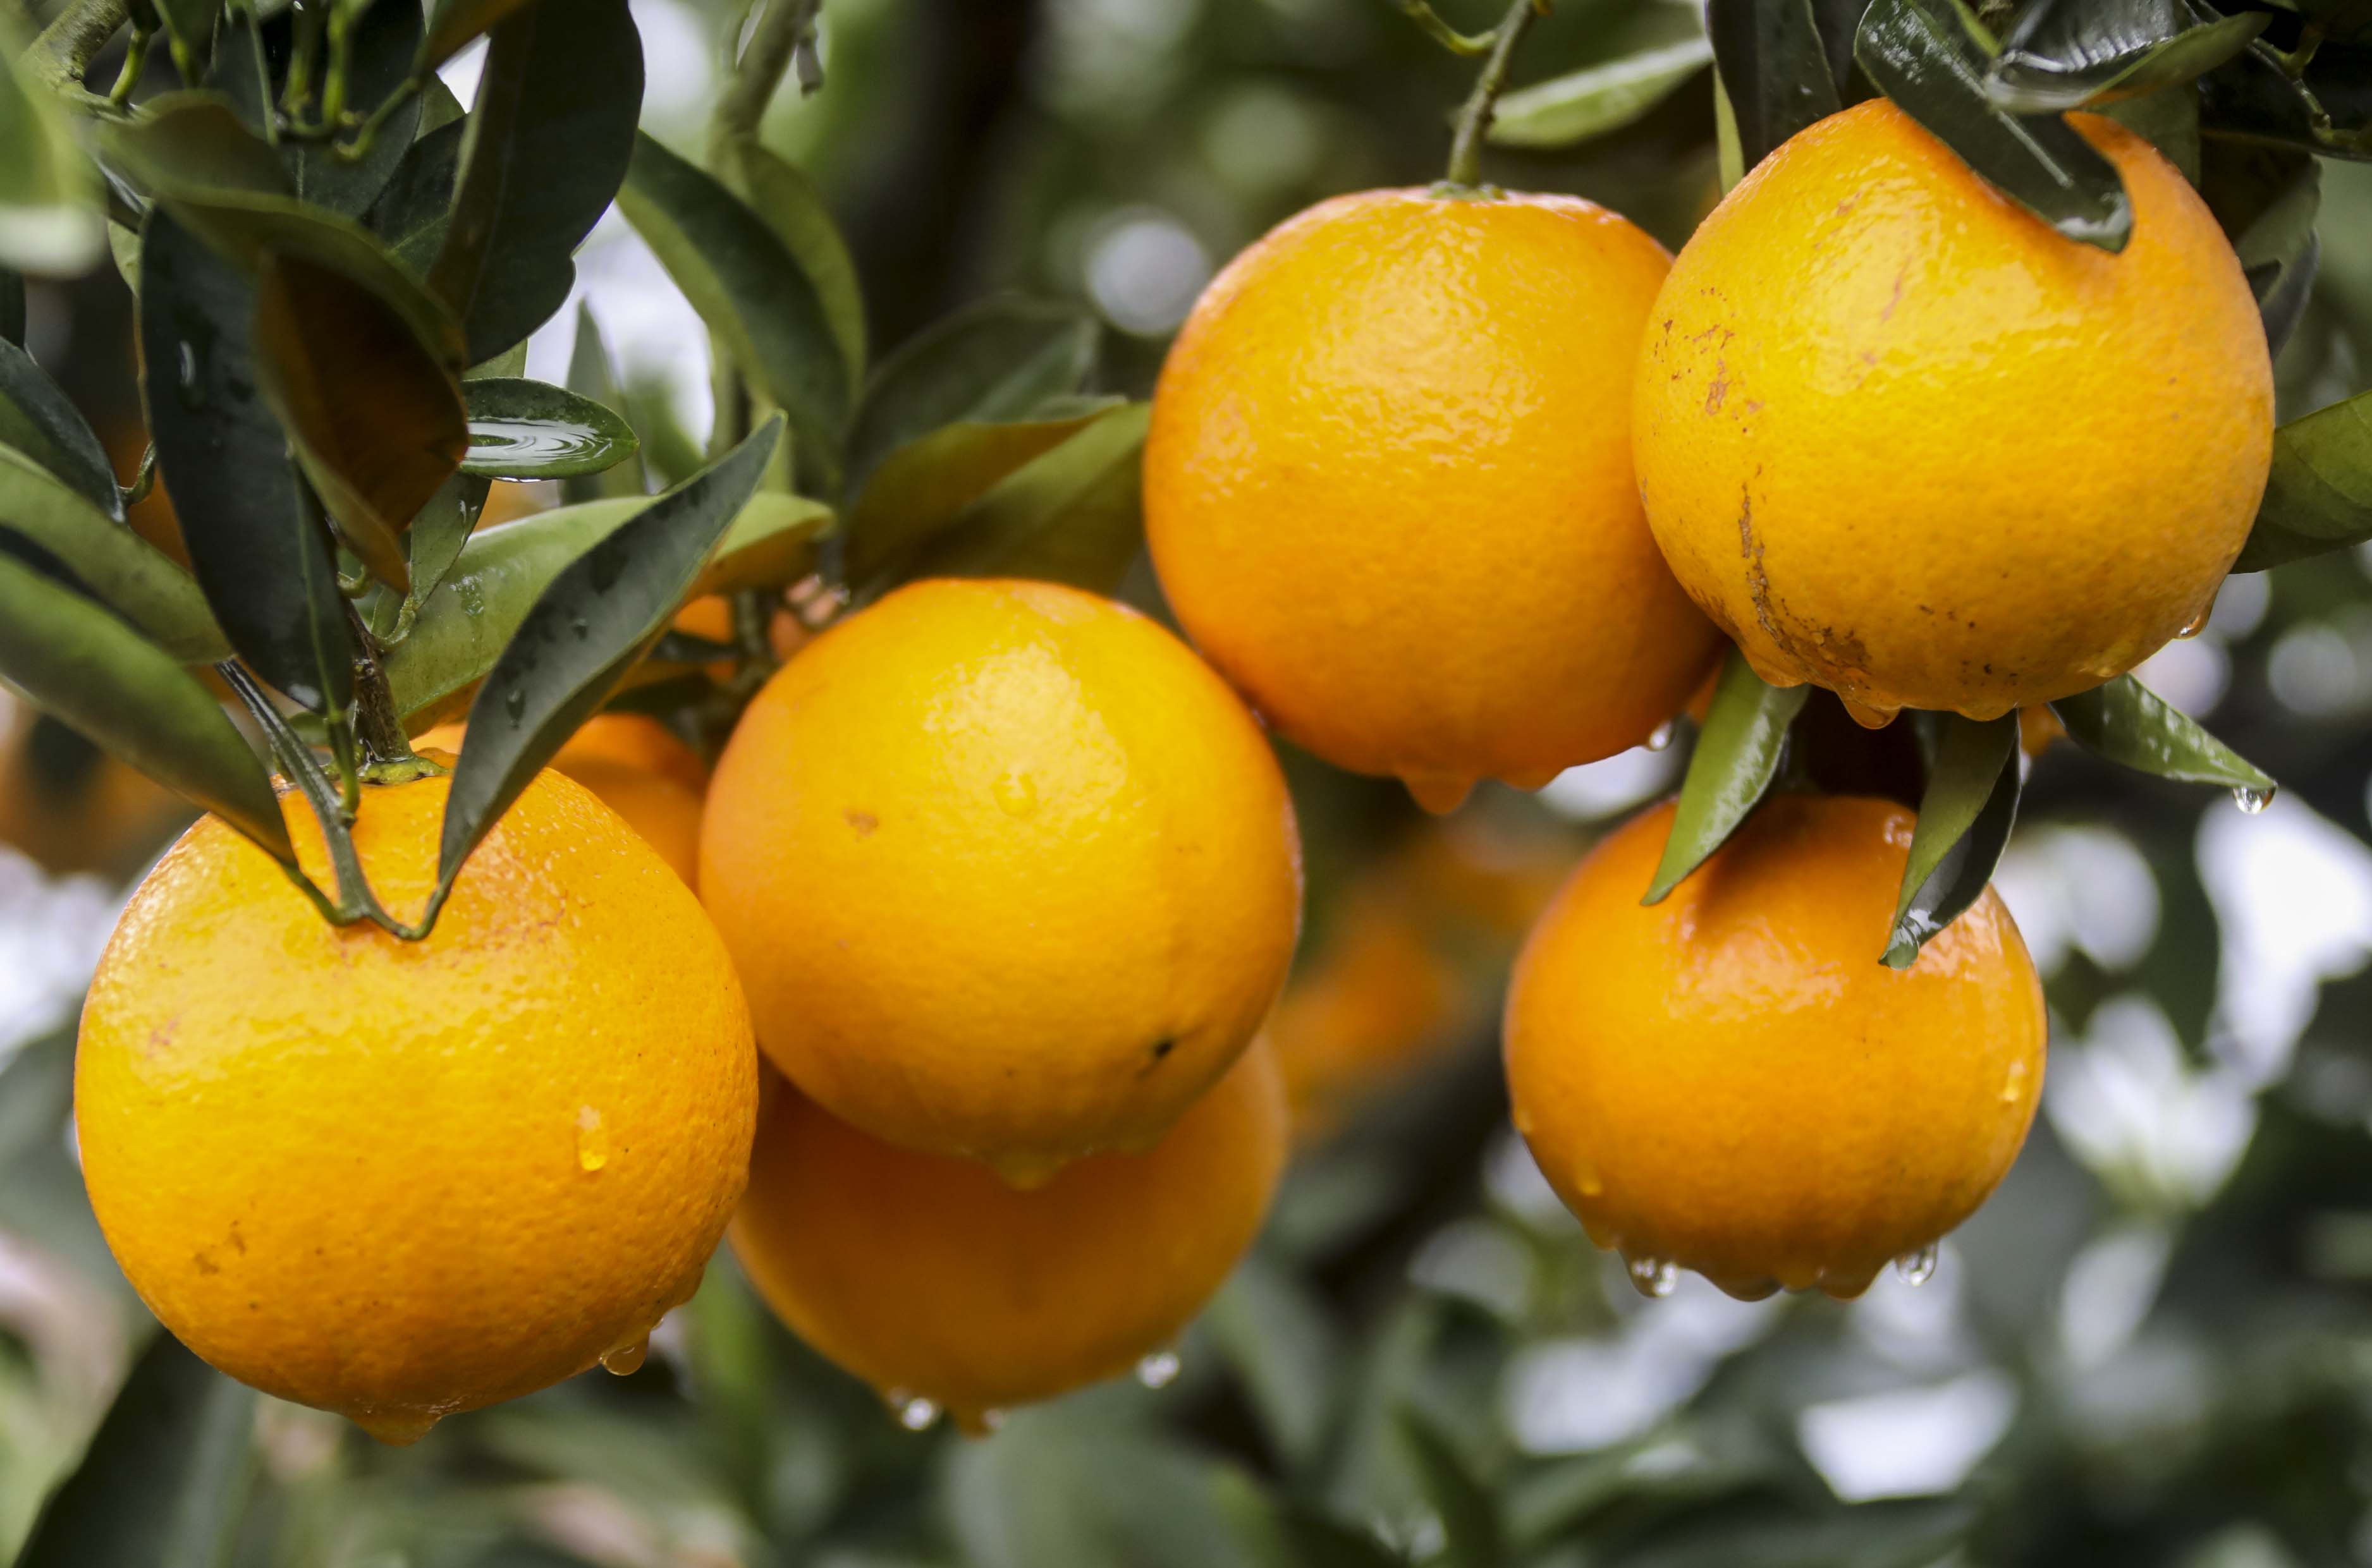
772 543
1072 516
548 144
597 617
413 214
124 570
254 542
2128 724
1736 757
2267 199
1471 1534
37 419
920 489
782 195
387 37
2324 105
590 375
430 547
997 361
1774 67
1964 822
2318 496
2072 53
750 291
79 662
1596 99
164 1480
1921 54
50 211
521 429
453 25
377 421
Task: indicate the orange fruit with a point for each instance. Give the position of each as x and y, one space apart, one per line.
70 807
1009 871
640 768
1901 439
1388 490
1730 1081
933 1280
398 1180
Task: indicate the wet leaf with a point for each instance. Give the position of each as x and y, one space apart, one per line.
454 24
1964 822
2318 496
521 429
918 492
591 376
430 547
375 420
2126 723
1471 1535
753 293
1774 67
258 551
1735 759
782 195
548 144
1072 516
2071 53
997 361
1597 98
77 661
387 37
37 419
2267 198
413 214
585 630
50 220
124 570
1923 54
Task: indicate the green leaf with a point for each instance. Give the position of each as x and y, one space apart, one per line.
1276 1336
782 195
12 307
37 419
386 37
1735 759
430 547
124 570
750 291
164 1482
76 660
2267 198
454 24
255 542
1923 54
413 214
587 629
1596 99
2322 103
1776 69
1964 823
2318 496
1072 516
769 544
590 377
51 218
2072 54
2126 723
195 145
1471 1536
547 146
189 27
521 429
241 74
375 419
996 362
921 489
1283 1534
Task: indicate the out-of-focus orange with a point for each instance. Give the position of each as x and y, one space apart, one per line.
71 807
640 769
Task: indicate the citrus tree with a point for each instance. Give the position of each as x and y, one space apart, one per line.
417 1079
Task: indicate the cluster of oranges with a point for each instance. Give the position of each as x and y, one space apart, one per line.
1001 880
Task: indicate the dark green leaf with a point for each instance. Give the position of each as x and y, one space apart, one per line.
430 547
590 375
533 430
1735 759
77 661
2070 54
772 543
1921 54
254 539
2168 120
1471 1536
1596 99
993 363
2324 107
921 489
454 23
585 631
1779 1535
165 1481
414 212
753 293
1964 822
194 144
38 420
240 72
119 567
375 420
2318 496
2126 723
1776 69
386 39
782 195
2267 199
12 307
1072 516
1276 1336
1291 1535
548 144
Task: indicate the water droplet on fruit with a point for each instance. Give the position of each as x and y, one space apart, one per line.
914 1413
1917 1268
396 1428
1159 1370
2014 1084
592 1140
1586 1182
2198 622
1870 715
1016 794
1660 736
624 1361
1653 1277
2252 801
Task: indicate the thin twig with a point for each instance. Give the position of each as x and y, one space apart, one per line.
1474 120
783 28
1429 22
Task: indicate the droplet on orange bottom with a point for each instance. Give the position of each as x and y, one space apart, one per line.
1440 794
397 1429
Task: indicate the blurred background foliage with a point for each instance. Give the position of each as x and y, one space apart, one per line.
2153 1346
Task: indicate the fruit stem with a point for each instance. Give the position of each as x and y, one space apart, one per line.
1429 22
1474 120
783 30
